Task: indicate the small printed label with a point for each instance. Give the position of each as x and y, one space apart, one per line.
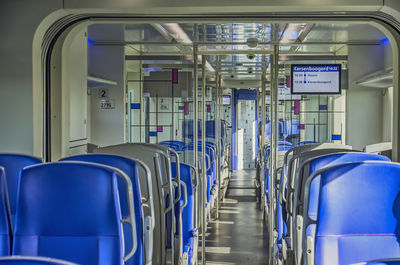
107 104
103 93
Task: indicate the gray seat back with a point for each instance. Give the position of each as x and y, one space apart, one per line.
157 159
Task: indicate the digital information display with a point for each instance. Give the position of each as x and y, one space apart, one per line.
316 79
226 100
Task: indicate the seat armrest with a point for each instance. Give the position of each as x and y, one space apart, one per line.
194 232
298 248
310 250
148 239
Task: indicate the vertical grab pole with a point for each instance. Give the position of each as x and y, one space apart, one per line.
271 162
218 133
259 148
203 150
263 120
276 98
274 137
196 116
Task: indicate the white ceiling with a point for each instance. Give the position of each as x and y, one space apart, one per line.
230 34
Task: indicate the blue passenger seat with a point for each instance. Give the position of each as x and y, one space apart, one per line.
358 215
210 151
69 211
24 260
305 142
128 166
280 224
5 217
174 144
283 147
13 164
280 143
210 171
292 128
189 231
268 130
307 168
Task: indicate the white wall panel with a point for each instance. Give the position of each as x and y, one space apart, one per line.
246 134
387 103
161 6
108 62
19 20
75 82
364 105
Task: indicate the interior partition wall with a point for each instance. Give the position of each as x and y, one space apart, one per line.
244 114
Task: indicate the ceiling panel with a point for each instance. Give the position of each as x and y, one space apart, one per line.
230 39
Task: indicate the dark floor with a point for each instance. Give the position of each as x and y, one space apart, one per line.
239 236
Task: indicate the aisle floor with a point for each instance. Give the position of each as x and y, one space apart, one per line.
239 236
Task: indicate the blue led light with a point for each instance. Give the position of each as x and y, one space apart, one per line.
135 106
91 41
152 133
384 40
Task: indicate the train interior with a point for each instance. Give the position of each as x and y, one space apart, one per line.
188 143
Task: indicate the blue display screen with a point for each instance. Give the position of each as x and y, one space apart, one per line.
316 79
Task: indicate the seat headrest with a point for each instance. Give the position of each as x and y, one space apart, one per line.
14 163
127 165
341 158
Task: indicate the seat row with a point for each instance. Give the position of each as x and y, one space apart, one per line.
125 204
287 129
185 151
282 148
175 236
334 205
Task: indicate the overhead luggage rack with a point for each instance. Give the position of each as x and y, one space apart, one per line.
379 79
96 82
